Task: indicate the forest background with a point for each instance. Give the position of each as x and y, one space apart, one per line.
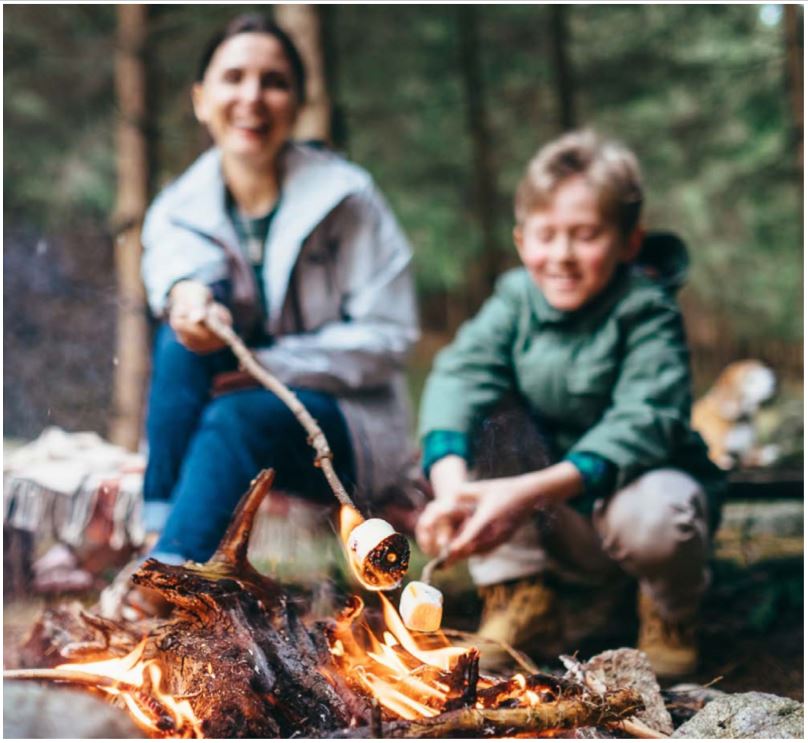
443 104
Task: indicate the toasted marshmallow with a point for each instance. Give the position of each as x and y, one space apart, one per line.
421 607
379 554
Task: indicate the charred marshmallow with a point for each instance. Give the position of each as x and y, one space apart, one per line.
421 607
380 555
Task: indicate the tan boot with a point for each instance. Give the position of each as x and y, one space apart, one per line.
522 614
671 647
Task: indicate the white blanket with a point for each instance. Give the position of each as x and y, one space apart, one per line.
51 487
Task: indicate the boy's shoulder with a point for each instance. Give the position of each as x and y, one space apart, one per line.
515 283
656 275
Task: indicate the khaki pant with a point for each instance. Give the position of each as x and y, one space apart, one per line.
655 530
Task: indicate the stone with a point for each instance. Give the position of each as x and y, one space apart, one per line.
32 710
625 668
749 715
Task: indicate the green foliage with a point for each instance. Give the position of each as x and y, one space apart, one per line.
58 113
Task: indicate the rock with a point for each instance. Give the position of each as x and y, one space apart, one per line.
31 710
625 668
684 700
749 715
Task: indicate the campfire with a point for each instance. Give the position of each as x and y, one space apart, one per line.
236 659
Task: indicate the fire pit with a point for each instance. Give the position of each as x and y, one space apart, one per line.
235 659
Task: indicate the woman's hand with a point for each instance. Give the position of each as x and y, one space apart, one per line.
189 305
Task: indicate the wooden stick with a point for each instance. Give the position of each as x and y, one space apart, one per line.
250 364
564 714
523 660
637 729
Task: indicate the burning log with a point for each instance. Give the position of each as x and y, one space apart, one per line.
235 659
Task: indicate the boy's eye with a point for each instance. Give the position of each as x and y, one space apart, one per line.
544 235
587 232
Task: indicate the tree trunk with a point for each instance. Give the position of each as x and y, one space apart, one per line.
483 272
131 359
559 44
302 23
794 76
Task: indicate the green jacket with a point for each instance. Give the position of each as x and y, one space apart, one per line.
611 379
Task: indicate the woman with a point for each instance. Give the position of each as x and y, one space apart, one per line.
312 270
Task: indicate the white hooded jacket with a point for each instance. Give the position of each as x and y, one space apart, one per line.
341 304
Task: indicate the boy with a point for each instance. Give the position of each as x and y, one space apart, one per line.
588 338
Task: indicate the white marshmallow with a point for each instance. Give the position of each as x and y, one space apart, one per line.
368 535
421 607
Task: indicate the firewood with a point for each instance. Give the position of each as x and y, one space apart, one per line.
564 714
236 650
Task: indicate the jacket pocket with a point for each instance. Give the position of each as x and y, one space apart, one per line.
590 388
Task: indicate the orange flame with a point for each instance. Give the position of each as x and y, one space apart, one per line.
137 683
398 670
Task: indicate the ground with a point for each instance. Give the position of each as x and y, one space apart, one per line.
752 633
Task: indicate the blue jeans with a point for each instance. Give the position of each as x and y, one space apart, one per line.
204 451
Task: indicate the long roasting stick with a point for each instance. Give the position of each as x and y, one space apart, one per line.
317 438
378 555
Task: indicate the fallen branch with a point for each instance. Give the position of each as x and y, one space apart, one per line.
563 714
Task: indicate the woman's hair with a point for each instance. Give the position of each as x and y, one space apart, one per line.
609 167
255 23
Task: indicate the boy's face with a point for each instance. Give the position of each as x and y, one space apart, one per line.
568 248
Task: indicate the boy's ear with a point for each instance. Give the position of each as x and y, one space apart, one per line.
633 244
518 237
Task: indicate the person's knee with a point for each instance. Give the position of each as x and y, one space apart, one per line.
656 522
251 414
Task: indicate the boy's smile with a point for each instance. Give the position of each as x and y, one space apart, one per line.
569 249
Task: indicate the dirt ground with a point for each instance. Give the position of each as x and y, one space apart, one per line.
751 636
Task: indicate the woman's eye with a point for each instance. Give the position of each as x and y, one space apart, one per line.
232 76
275 81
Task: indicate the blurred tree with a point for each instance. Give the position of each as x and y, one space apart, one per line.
483 272
302 23
565 89
131 358
793 37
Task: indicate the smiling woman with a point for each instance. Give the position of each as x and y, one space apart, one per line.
248 99
301 254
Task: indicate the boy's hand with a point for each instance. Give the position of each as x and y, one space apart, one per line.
189 302
502 505
439 523
442 517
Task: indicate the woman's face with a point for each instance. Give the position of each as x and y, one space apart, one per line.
246 99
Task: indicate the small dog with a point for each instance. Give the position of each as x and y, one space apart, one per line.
724 415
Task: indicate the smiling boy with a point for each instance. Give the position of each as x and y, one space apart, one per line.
589 340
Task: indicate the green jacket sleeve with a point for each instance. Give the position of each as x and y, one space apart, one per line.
649 414
474 372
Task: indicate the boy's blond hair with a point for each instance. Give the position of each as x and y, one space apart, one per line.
609 166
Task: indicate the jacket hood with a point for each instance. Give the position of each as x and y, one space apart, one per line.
663 257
